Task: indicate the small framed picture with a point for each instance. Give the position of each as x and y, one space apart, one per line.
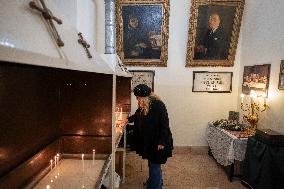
212 82
281 76
256 78
234 115
142 77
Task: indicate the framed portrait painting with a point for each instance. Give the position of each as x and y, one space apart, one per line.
256 78
281 76
214 28
212 82
142 30
142 77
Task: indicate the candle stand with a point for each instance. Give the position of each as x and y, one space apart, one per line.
251 110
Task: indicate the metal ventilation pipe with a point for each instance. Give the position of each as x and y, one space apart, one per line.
110 27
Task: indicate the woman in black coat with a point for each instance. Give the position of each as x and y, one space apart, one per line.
153 137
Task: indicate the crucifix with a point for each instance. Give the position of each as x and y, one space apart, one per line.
84 43
48 16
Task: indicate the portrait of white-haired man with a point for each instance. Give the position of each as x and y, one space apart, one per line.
212 46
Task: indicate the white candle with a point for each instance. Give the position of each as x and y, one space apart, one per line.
120 115
83 162
57 157
55 161
242 98
47 187
94 152
252 95
50 164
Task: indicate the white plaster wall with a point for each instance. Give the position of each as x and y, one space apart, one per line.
262 43
79 14
100 25
68 10
86 19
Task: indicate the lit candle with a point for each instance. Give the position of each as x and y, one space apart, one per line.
55 162
94 152
50 164
120 115
47 187
252 95
242 98
57 157
83 162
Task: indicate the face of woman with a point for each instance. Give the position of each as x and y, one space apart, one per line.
139 100
133 22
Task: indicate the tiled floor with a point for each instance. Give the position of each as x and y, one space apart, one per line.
189 168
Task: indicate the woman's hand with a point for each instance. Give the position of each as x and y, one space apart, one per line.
121 123
160 147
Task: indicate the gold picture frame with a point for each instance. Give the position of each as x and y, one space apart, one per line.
281 76
142 32
214 27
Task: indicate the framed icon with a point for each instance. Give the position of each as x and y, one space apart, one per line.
142 32
256 78
142 77
281 76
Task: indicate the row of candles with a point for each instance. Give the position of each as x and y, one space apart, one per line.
83 164
56 162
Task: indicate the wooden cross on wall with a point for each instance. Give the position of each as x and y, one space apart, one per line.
48 16
84 43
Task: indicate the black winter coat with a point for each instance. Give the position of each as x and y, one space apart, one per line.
152 130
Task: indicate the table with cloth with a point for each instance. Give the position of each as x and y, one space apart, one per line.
227 147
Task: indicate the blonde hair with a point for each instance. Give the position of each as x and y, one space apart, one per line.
146 101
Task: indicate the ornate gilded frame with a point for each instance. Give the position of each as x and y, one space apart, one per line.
230 12
281 76
163 35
